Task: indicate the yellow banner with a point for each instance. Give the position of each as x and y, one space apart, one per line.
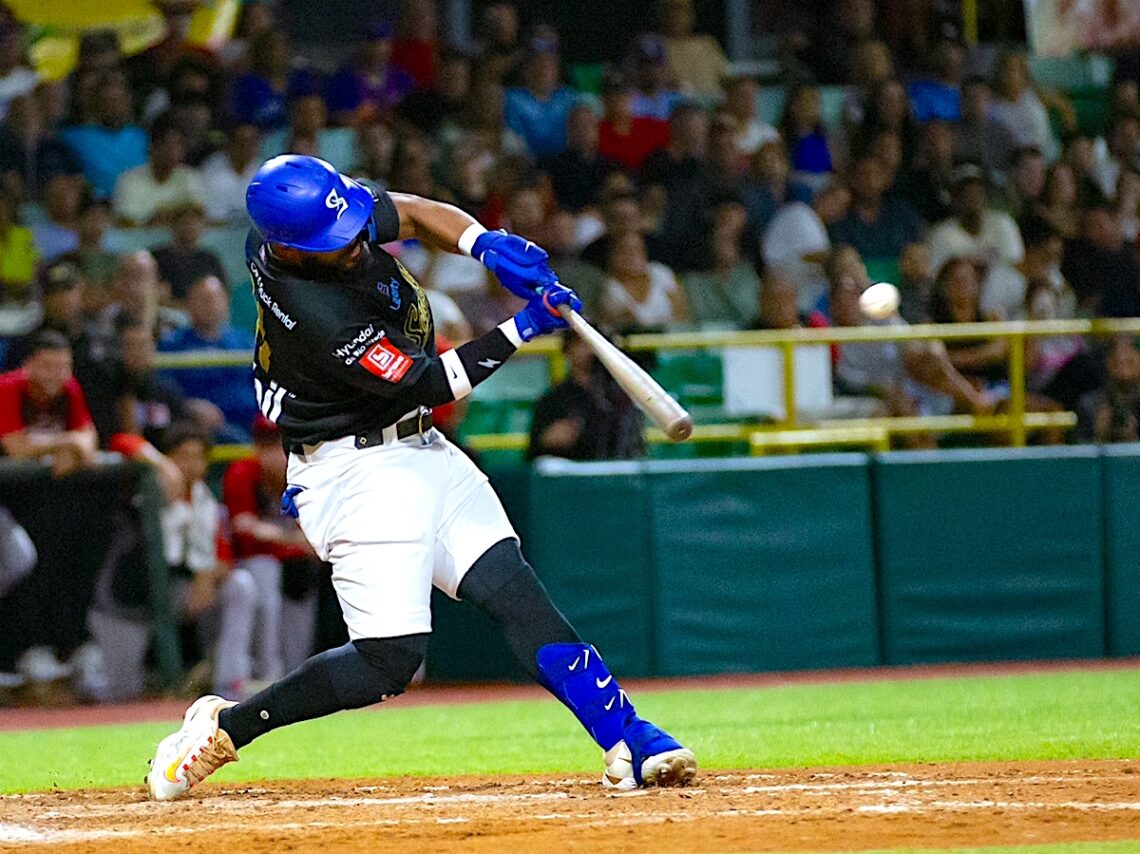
138 22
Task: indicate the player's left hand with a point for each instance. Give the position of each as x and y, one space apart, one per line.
541 317
520 265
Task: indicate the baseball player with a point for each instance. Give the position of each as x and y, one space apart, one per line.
346 365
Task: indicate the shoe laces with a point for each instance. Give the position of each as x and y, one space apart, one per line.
216 752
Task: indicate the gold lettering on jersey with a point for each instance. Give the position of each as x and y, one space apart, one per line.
263 350
418 325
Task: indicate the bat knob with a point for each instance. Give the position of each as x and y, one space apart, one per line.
681 429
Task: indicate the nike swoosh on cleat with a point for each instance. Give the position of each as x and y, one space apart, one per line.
602 683
610 704
172 770
575 664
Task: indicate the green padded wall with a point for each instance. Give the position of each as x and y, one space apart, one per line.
990 554
764 564
590 545
1122 544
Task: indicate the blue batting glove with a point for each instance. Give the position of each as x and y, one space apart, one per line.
520 265
541 317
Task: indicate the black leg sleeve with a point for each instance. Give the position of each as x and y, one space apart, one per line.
352 676
503 585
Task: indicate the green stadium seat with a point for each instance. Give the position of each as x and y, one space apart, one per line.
522 378
484 416
587 77
1070 73
770 103
694 376
882 269
831 100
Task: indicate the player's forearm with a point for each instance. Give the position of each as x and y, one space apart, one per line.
23 445
455 373
429 221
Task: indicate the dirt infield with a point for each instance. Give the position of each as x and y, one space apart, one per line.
924 806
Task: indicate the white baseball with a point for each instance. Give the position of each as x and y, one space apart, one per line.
879 301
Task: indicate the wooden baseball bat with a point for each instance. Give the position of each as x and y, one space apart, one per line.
642 389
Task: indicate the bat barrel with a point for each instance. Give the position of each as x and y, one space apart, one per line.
642 389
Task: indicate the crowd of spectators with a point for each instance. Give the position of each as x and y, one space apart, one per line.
658 187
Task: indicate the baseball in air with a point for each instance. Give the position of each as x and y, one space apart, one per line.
879 301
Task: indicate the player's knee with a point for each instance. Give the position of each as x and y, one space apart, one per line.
498 569
394 660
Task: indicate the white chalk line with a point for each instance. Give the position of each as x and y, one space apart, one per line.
910 782
25 834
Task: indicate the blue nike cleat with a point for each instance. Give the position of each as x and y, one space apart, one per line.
648 756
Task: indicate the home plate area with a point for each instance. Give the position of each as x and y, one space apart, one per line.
936 805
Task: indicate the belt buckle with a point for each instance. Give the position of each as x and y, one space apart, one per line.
424 414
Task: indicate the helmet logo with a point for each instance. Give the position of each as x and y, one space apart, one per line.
336 202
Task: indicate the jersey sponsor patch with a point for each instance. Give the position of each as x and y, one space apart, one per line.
386 361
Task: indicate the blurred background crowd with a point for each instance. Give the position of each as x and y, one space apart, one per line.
673 188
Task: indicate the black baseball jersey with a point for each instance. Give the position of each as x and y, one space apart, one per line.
340 352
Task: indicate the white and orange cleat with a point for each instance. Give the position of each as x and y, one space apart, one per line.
189 756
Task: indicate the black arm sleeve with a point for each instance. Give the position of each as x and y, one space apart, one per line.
385 217
479 359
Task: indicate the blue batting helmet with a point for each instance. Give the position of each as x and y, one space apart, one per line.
304 203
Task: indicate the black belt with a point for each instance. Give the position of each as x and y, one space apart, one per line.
370 438
404 429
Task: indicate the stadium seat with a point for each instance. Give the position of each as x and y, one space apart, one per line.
1070 73
882 269
695 376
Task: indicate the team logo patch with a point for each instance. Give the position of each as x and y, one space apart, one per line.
335 201
386 361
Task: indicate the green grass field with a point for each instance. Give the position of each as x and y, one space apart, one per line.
1069 715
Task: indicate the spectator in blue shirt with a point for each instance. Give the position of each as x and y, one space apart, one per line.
111 144
879 225
261 96
229 388
938 96
538 111
656 96
370 87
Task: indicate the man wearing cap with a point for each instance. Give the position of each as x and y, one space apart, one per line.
975 229
346 364
623 136
96 364
656 97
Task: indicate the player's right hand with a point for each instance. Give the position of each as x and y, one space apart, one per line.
519 264
541 317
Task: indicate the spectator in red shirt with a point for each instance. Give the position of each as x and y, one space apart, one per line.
273 550
624 138
416 46
42 409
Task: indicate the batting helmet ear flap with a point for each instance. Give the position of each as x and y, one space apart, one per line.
304 203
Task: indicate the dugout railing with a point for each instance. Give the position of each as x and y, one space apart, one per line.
794 431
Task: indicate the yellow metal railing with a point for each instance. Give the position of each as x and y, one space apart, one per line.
1016 421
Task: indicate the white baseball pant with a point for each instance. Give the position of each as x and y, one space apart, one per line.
395 519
